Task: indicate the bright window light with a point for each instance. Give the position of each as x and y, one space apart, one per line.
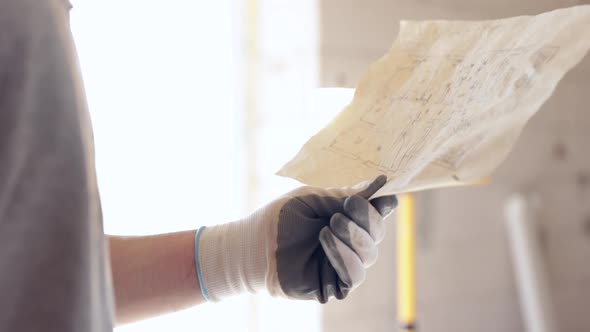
165 87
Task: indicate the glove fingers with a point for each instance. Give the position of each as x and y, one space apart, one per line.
385 204
330 283
365 215
355 238
345 262
373 186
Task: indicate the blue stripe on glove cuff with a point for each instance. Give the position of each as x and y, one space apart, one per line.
198 263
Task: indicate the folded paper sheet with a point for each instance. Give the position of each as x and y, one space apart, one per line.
446 104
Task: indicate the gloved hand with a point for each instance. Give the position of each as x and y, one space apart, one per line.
311 243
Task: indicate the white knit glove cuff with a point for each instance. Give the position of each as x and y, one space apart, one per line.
231 258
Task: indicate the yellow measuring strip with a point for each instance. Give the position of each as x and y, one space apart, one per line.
406 262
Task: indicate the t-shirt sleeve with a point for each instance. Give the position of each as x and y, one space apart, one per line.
55 272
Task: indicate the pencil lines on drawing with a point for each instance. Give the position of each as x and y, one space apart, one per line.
439 96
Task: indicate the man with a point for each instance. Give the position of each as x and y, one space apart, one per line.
55 267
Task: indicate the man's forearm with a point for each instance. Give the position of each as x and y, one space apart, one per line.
153 275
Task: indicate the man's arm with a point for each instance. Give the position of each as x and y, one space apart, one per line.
311 243
154 275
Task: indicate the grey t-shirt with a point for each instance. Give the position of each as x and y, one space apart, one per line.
54 271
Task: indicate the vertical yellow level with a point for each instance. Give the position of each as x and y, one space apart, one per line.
406 262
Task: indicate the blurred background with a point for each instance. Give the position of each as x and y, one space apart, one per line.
196 104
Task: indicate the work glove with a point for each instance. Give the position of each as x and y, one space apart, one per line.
311 243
